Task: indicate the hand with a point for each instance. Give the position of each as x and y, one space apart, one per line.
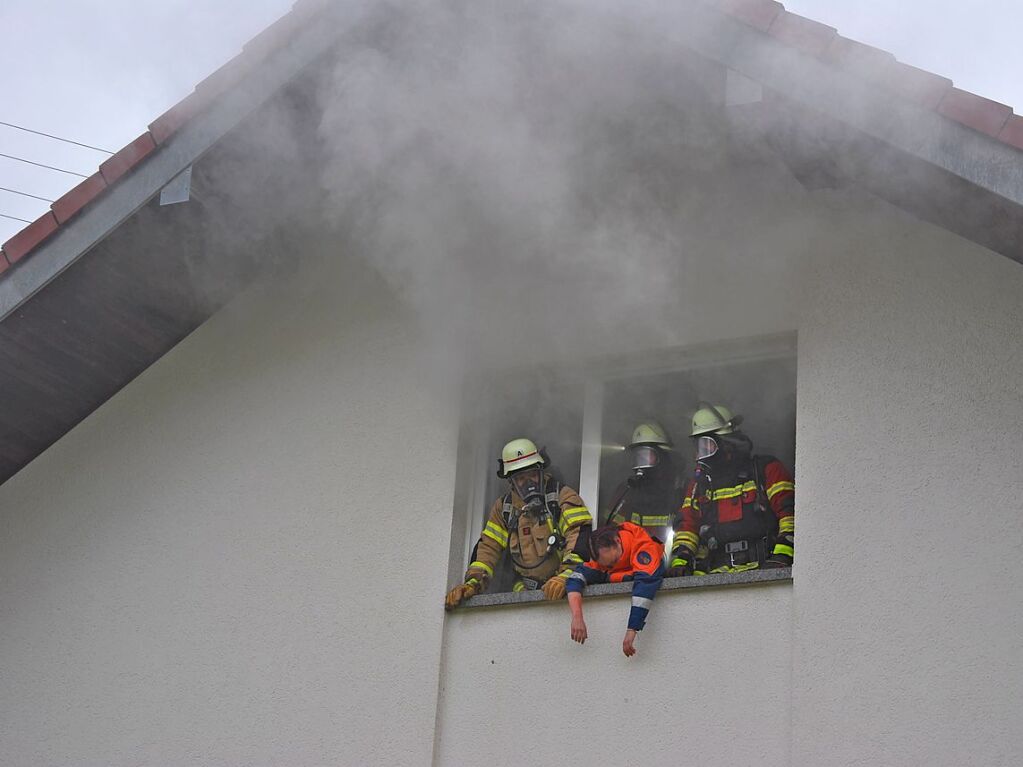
629 643
459 594
578 630
677 572
554 588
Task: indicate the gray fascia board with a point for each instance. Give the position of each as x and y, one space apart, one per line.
192 141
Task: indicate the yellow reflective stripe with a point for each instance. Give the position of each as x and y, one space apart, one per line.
519 586
734 492
779 487
787 524
676 562
482 566
576 514
472 582
573 558
781 548
687 503
686 536
497 533
647 521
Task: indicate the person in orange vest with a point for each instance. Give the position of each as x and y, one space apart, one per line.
624 552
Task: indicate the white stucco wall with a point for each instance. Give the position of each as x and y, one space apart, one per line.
190 577
209 570
515 688
908 633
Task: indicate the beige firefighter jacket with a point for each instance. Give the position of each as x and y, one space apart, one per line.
528 541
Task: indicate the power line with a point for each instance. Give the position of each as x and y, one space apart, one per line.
57 138
25 194
15 218
50 167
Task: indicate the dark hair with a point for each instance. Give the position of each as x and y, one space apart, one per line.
605 537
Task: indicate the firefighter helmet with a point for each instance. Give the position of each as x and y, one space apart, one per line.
650 433
714 419
519 454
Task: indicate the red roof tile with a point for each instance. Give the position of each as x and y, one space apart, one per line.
167 124
127 158
1012 133
975 111
24 241
862 59
757 13
68 205
4 263
809 36
919 86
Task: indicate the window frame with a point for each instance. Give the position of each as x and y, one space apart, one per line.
592 376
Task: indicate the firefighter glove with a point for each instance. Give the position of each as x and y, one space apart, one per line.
554 588
460 593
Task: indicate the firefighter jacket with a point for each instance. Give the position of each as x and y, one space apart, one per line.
748 499
653 504
524 536
641 562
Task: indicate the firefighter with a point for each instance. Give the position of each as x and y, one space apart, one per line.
650 497
739 505
541 525
620 553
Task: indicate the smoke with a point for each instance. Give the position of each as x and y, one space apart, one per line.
525 177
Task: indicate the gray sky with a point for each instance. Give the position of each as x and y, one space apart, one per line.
100 72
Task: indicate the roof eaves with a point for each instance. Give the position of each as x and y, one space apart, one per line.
159 148
919 112
880 68
160 131
87 213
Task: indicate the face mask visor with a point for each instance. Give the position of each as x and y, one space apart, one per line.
528 483
644 457
706 447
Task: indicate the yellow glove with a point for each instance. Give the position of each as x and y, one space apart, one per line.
460 593
554 588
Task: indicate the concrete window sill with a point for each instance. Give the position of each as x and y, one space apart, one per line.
781 575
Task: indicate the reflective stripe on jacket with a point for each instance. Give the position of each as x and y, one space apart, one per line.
528 542
730 507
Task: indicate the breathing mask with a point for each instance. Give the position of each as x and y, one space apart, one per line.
528 484
645 459
706 447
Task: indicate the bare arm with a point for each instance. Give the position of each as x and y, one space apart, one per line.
575 604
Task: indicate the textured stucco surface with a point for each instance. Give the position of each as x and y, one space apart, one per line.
551 701
909 637
189 577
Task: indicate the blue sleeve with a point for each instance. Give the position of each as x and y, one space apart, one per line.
584 575
644 589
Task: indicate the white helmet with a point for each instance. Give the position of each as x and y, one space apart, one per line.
519 454
714 419
650 433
